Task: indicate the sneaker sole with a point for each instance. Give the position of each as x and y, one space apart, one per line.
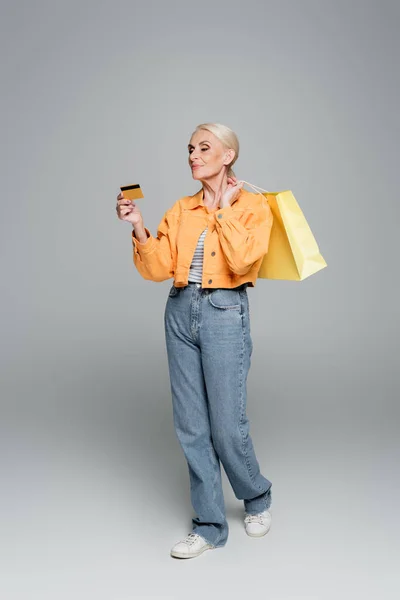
176 554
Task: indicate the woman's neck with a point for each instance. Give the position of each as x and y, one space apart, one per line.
213 189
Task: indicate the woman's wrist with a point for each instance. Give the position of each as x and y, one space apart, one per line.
140 233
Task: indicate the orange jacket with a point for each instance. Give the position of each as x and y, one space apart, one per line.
235 244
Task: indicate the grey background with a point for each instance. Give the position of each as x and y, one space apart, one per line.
95 488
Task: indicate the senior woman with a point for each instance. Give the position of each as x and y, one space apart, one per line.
212 243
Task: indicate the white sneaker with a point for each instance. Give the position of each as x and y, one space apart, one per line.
257 525
192 545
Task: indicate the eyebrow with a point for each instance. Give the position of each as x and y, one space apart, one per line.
203 142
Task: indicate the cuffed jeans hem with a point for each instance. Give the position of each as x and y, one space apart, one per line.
262 506
219 542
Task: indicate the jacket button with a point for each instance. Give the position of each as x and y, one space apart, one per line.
219 216
212 253
210 281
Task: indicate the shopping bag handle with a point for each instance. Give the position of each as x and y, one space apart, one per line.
255 187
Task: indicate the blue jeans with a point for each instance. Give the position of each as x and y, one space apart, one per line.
207 332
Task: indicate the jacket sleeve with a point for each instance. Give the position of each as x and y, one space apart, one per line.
244 235
155 259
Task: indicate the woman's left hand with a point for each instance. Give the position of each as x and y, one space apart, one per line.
231 193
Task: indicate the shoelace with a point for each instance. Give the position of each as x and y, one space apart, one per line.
190 538
255 518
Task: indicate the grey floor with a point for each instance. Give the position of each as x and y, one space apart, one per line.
95 490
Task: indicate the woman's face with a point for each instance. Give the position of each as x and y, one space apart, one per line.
207 155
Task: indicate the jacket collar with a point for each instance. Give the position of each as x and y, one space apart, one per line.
198 199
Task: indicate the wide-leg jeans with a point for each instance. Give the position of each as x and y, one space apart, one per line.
209 346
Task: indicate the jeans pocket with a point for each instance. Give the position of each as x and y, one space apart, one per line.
173 291
225 299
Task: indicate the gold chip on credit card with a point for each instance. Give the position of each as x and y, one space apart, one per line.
132 192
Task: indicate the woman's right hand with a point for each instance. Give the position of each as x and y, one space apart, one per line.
127 210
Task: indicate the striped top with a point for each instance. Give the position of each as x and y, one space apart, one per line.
196 267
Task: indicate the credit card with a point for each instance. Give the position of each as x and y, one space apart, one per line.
132 192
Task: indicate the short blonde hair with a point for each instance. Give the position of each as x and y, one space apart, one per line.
225 135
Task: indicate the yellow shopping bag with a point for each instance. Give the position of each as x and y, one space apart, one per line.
293 253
